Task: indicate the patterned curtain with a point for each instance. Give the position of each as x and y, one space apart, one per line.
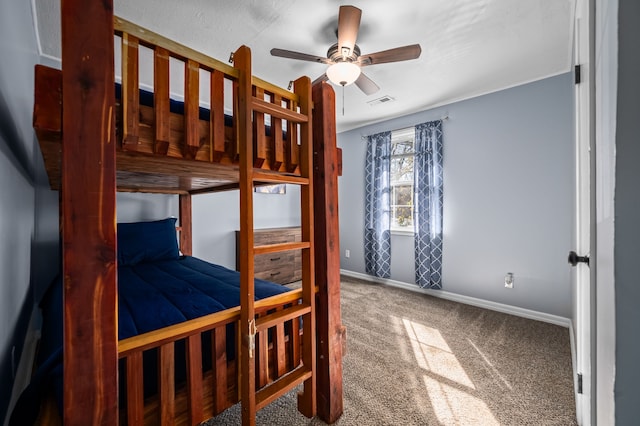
427 186
377 232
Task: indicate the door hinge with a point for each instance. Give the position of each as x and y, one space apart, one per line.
580 383
577 74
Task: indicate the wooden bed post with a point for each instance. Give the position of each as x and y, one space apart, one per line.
242 61
186 228
325 190
89 214
307 400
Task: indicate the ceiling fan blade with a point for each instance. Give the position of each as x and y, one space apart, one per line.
392 55
348 26
297 55
320 79
366 84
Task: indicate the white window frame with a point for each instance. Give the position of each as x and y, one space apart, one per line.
397 136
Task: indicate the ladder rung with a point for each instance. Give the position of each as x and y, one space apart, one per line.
283 385
265 177
277 111
280 247
279 299
278 317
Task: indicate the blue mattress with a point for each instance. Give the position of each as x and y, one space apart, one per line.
154 291
157 294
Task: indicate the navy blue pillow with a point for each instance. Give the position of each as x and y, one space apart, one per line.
147 241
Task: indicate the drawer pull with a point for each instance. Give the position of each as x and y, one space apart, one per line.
273 259
273 274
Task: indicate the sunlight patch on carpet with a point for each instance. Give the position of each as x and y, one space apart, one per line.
448 386
456 407
492 368
433 353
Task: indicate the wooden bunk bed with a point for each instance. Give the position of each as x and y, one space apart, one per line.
94 145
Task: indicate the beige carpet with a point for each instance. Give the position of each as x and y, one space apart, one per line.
413 359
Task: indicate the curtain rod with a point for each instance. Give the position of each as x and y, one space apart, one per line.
442 118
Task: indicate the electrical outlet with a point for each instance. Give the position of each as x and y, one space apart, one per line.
347 253
508 280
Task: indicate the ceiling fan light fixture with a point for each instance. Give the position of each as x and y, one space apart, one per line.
343 73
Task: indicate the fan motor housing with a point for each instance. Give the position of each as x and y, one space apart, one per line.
336 56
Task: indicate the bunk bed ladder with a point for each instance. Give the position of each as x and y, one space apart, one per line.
254 331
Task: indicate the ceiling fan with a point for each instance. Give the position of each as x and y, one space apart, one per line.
344 58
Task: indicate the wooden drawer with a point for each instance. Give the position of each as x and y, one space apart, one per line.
284 267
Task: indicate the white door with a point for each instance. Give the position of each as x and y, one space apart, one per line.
583 312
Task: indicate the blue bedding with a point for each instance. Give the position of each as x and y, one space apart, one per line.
154 291
157 294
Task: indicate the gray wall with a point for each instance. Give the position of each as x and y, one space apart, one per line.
133 207
627 212
508 182
18 177
216 218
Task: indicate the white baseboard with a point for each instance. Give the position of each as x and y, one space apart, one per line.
481 303
25 365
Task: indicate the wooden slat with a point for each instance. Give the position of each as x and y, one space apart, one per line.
88 200
194 378
278 300
237 362
130 93
185 224
279 346
307 399
327 255
166 383
263 106
191 109
276 90
274 391
242 58
161 100
295 343
280 247
262 358
279 317
235 140
219 367
270 177
161 166
277 146
135 397
175 332
216 132
181 330
259 136
180 51
291 150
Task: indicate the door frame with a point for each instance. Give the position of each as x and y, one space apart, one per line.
583 275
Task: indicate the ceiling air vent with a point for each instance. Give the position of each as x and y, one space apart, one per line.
383 100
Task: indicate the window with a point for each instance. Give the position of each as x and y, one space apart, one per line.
401 179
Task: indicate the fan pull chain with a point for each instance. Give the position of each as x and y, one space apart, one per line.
343 100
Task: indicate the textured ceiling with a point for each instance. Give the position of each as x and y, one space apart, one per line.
469 47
